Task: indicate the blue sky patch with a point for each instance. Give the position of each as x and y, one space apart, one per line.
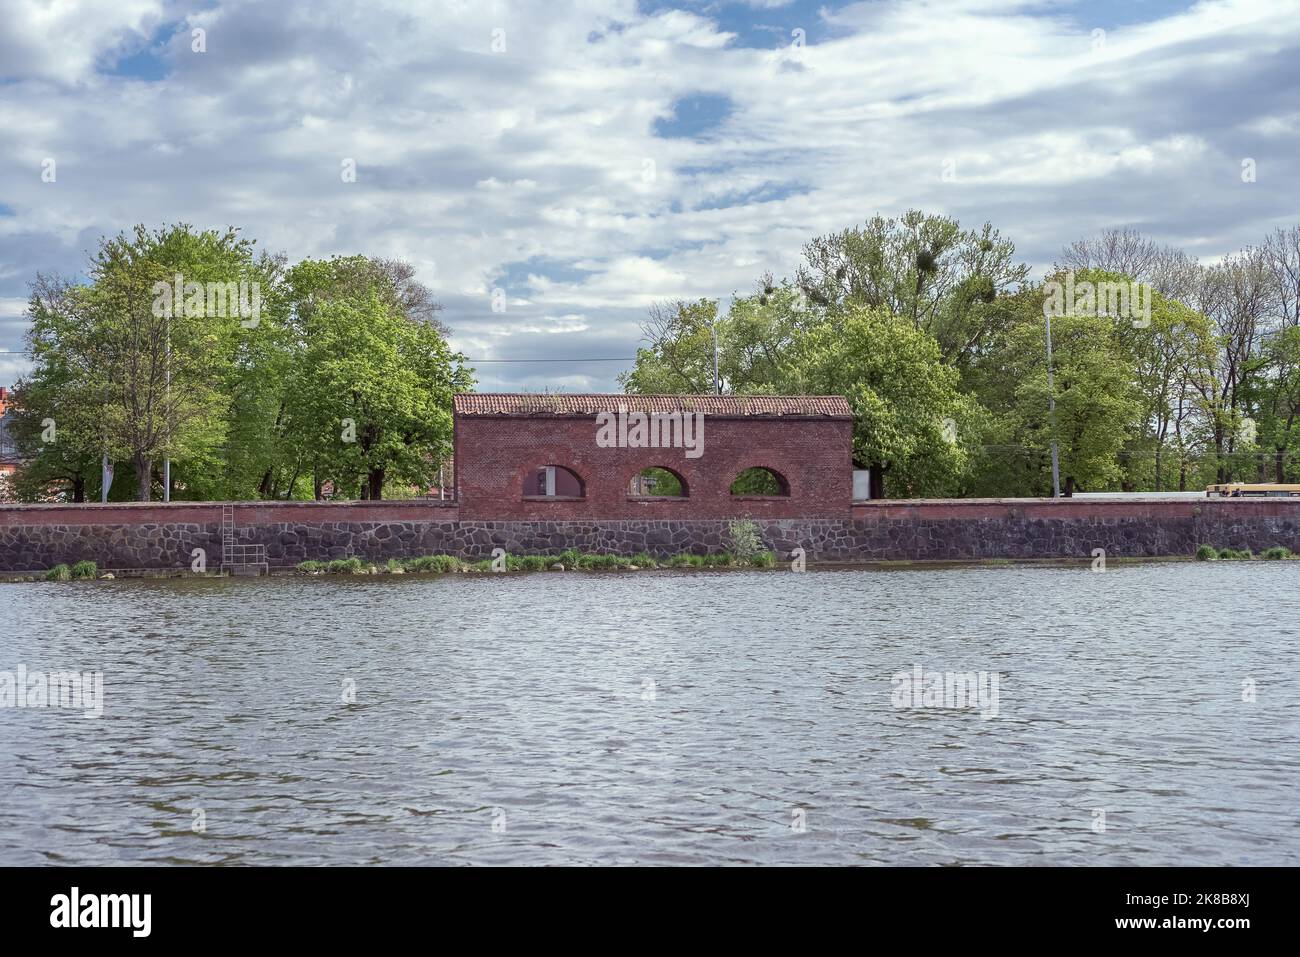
767 193
756 27
1109 14
513 276
145 61
694 116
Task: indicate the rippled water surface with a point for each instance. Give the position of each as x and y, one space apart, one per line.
661 717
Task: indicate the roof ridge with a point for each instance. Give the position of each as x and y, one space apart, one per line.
594 403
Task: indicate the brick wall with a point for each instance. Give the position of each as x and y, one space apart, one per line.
496 455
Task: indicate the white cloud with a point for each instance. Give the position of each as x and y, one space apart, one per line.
63 41
472 162
1287 125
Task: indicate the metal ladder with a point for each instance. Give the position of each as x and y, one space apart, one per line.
239 559
227 532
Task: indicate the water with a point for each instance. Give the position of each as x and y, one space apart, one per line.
660 717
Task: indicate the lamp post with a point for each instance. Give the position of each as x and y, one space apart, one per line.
167 462
105 467
714 326
1051 410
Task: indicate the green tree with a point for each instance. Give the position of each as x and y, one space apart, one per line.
135 360
368 397
57 413
1098 407
753 338
679 357
921 268
904 397
1275 394
1163 347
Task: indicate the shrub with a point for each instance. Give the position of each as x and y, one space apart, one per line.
85 569
393 565
353 565
1236 553
569 557
532 563
59 573
1207 553
1277 553
763 560
311 565
745 539
644 560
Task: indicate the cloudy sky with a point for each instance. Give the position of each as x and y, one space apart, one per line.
589 158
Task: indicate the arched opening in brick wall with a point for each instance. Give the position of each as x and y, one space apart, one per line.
554 481
657 482
760 482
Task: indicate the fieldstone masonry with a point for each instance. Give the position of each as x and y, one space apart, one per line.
151 536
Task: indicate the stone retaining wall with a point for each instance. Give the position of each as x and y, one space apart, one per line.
163 536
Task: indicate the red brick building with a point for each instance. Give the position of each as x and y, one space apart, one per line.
566 457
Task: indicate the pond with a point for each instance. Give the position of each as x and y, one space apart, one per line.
1147 715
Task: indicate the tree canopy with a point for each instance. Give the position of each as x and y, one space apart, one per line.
253 378
260 379
938 337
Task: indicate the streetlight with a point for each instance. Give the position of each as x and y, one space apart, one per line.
167 462
1051 409
714 326
106 467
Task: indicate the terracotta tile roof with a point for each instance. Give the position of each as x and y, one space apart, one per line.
570 404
